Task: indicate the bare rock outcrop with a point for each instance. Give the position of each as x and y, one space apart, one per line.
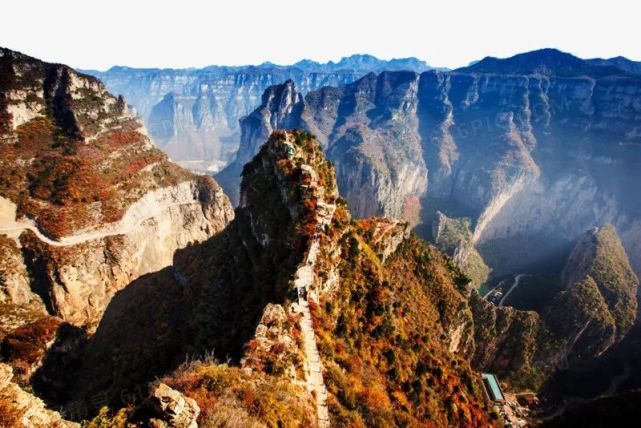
168 408
22 410
14 278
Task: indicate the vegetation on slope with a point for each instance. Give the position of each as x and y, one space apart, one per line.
575 327
601 256
454 236
81 158
232 397
383 337
212 298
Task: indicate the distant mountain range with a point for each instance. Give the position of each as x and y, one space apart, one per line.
192 114
550 62
365 63
357 62
620 62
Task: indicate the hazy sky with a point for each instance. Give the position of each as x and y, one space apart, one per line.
190 33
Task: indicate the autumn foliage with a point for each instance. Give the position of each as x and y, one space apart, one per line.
382 338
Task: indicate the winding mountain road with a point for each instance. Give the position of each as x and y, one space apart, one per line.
517 281
9 225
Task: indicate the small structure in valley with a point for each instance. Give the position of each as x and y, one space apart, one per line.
492 387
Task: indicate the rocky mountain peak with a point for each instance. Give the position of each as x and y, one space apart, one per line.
386 103
79 105
371 63
281 105
295 165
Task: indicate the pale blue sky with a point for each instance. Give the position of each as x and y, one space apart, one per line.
184 33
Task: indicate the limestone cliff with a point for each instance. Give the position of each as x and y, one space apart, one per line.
368 129
87 203
193 114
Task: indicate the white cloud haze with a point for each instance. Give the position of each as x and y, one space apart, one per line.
191 33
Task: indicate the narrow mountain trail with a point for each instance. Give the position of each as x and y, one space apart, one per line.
517 281
315 383
12 227
303 282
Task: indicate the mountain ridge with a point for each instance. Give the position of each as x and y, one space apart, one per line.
365 61
620 62
288 195
544 61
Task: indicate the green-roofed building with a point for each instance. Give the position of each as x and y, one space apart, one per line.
492 387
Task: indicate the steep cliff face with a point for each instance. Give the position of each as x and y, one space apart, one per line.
192 114
539 147
14 278
78 280
368 129
87 203
217 291
278 104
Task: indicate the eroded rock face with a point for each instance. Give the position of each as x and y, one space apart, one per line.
372 141
539 147
274 345
14 279
80 280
